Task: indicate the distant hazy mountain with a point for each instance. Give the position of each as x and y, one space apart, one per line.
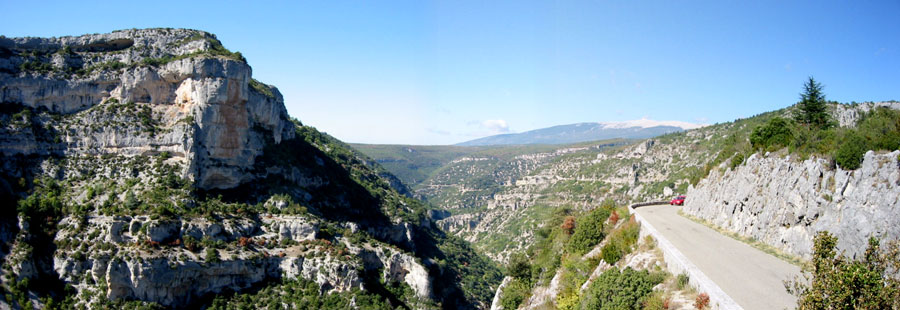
581 132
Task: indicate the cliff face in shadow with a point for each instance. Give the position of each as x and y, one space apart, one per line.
147 166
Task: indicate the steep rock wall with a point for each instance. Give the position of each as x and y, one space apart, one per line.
784 203
166 91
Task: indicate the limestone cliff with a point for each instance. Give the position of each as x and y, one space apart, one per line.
148 166
784 202
192 99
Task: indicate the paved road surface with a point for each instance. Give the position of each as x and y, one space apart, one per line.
751 277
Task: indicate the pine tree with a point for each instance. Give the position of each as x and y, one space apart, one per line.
813 110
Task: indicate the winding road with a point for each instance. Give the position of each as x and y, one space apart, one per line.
754 279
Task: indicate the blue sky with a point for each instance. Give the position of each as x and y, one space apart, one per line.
445 72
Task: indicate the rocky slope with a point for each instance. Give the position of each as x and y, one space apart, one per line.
150 167
502 218
498 212
784 201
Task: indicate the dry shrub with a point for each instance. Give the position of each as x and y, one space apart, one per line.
568 225
702 301
244 241
614 218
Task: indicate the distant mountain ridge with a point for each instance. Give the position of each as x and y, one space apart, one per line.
583 132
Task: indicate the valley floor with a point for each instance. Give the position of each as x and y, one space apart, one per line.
754 279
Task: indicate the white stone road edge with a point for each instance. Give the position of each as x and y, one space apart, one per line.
677 263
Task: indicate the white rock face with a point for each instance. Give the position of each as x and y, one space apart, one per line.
396 266
495 303
784 203
112 250
201 109
147 108
848 115
328 273
295 228
169 283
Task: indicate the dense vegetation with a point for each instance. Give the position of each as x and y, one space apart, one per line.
620 242
614 290
878 129
299 294
560 245
812 132
839 282
588 231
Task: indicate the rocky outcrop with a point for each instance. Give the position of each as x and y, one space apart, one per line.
296 228
495 303
168 281
137 92
396 266
460 223
784 202
848 115
146 259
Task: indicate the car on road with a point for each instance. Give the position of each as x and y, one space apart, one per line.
677 201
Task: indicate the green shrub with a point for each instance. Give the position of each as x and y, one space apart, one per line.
608 204
814 140
156 62
515 292
567 301
575 271
212 255
850 154
876 130
588 231
519 267
851 283
261 88
36 66
300 294
881 129
736 160
617 290
611 253
682 281
656 301
774 134
620 242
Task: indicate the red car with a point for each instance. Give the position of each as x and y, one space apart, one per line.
677 201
